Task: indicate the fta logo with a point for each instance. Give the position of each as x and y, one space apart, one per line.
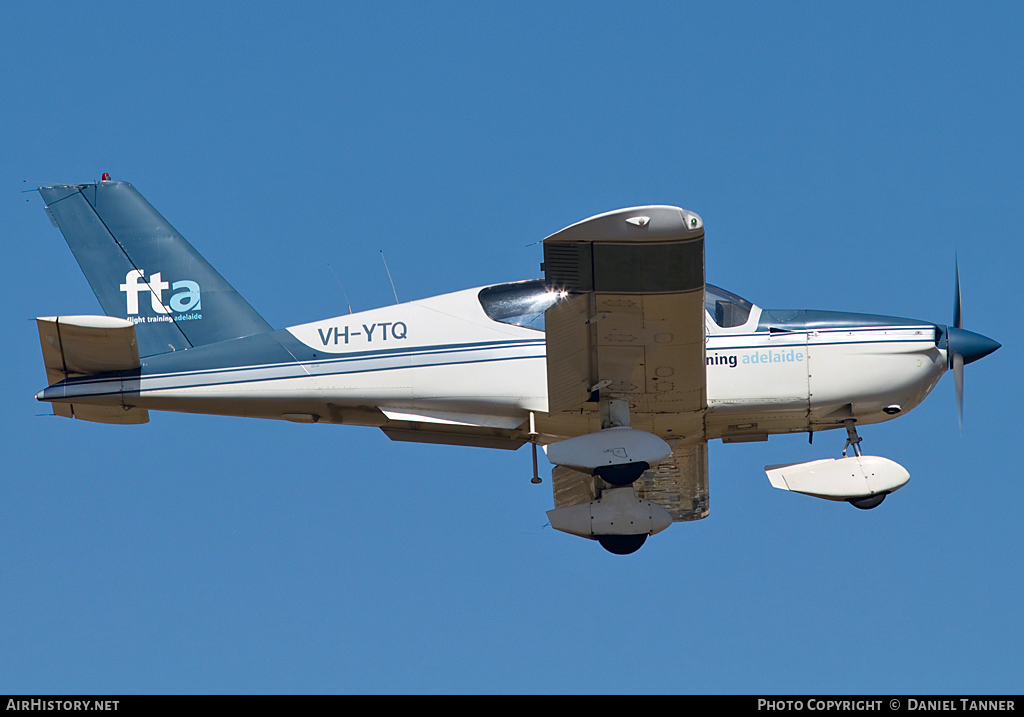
187 297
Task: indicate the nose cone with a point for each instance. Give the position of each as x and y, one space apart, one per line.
970 345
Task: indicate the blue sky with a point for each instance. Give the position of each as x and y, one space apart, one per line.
840 158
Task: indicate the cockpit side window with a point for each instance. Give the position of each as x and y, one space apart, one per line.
727 309
521 303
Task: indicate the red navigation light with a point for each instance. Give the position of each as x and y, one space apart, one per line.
105 177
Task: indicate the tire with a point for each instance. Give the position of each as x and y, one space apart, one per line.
867 502
622 544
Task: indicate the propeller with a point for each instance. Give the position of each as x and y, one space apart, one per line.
963 347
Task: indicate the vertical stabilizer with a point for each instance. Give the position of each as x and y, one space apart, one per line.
141 269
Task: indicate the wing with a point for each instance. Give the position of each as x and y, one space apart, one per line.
633 329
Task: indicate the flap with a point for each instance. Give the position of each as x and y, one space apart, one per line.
457 436
679 484
451 418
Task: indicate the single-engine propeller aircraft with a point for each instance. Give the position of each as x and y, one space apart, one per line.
621 363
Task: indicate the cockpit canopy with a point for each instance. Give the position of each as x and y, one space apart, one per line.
726 309
523 303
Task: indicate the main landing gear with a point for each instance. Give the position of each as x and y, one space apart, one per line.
616 456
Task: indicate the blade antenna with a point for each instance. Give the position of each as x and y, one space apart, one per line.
389 276
342 288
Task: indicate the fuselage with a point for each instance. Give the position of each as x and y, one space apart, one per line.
474 360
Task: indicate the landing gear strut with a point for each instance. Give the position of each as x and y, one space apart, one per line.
852 439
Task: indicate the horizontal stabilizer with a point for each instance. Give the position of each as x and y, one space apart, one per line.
108 414
84 345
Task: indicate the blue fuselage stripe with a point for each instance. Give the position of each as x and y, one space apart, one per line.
406 358
261 379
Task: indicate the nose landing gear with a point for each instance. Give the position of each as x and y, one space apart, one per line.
853 439
860 480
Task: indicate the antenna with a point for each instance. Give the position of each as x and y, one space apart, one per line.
342 288
389 275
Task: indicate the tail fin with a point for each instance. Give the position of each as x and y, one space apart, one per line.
142 270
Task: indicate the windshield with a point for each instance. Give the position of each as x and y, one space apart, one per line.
521 303
727 309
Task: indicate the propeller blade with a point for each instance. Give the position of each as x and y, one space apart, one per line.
956 359
963 347
958 321
958 381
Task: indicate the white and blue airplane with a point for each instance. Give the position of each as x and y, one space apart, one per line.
621 363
